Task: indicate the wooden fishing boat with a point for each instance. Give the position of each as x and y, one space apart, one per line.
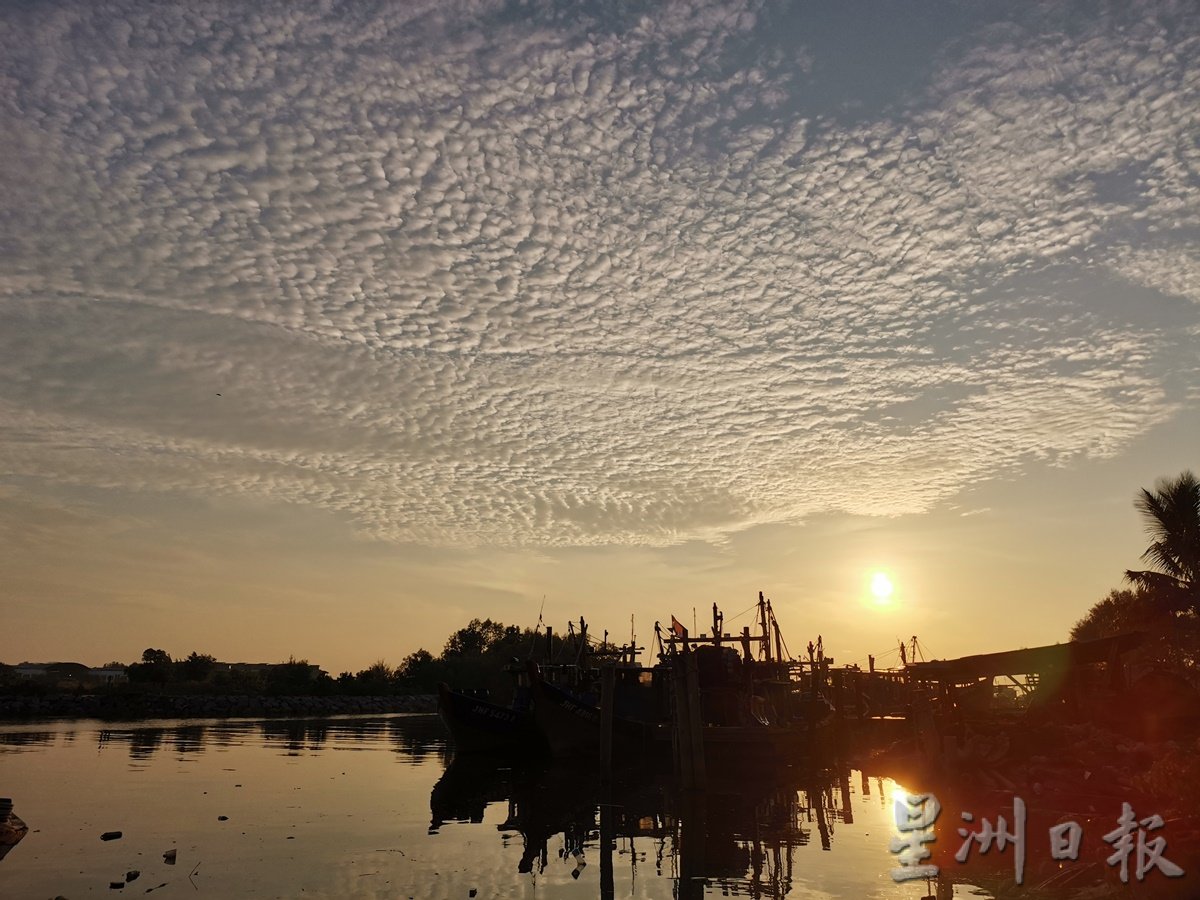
479 726
735 707
570 721
729 706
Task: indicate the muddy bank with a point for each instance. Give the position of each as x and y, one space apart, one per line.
152 706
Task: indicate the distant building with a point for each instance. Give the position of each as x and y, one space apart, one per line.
109 675
69 674
265 669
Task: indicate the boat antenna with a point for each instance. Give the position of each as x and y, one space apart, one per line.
916 650
537 629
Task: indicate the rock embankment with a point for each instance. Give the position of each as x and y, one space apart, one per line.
158 706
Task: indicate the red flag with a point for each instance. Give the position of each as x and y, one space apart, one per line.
677 627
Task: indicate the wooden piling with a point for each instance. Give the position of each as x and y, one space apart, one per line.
687 732
607 840
608 690
695 720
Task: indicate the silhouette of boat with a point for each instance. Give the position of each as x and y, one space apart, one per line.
747 708
569 721
479 726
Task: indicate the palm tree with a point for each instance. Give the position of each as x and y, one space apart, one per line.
1172 516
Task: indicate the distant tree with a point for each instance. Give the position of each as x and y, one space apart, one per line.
1171 513
1121 611
196 667
296 676
1170 641
155 667
378 678
419 671
477 637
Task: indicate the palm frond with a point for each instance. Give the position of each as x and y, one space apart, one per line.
1171 513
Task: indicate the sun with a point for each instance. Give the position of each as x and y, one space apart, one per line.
881 587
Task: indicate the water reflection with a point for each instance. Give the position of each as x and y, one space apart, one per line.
14 741
414 738
740 837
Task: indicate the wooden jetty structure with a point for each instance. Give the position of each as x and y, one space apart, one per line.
731 705
479 725
719 698
709 696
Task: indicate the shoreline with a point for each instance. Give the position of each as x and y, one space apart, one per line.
203 706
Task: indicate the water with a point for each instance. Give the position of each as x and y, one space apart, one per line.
371 807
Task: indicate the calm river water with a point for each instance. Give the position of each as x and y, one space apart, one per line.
371 807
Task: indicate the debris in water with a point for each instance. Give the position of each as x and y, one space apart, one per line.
12 829
110 836
132 875
222 818
169 857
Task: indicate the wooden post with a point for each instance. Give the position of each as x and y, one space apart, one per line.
766 632
839 709
607 840
695 719
847 806
687 732
746 644
681 734
608 689
692 838
775 632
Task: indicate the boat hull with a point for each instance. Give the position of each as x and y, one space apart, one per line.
571 727
479 726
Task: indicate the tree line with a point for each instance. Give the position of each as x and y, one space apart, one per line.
1164 600
477 656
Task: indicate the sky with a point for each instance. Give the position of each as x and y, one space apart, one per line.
325 328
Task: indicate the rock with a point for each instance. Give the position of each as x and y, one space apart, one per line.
110 836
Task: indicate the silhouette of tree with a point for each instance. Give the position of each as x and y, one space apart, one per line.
1121 611
1171 513
479 636
197 666
419 671
155 668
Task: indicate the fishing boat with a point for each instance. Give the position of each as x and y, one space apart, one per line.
479 726
731 705
571 721
709 695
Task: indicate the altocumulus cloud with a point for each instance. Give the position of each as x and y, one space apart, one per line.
471 274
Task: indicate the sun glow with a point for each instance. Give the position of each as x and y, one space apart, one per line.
881 587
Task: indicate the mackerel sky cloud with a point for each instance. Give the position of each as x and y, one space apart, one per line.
537 275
